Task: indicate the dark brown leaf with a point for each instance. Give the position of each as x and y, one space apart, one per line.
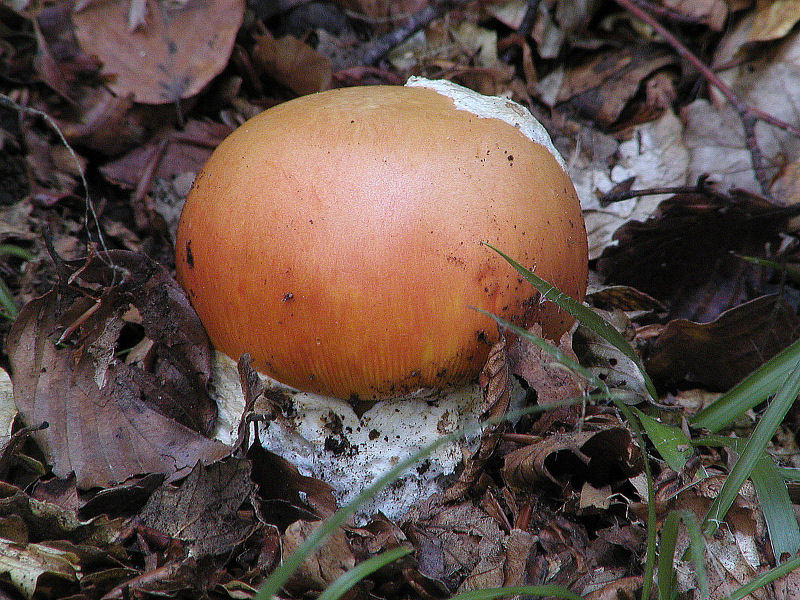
554 384
185 151
567 460
496 385
720 353
331 559
683 255
455 542
601 88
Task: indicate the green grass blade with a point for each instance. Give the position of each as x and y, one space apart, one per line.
697 547
7 302
605 330
789 474
667 574
554 351
6 297
766 578
667 579
346 581
552 591
773 495
585 315
754 449
753 389
12 250
671 442
791 270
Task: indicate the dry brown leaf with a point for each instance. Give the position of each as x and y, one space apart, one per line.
330 560
710 12
496 385
173 152
380 9
278 479
173 55
519 546
456 543
720 353
59 62
554 383
773 19
203 512
109 420
606 361
292 63
736 553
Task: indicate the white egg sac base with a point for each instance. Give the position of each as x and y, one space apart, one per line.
324 438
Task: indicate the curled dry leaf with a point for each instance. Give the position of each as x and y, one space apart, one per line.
602 88
566 460
495 383
109 420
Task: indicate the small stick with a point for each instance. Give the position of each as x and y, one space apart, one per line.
419 19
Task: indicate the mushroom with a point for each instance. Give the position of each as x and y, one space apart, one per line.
337 237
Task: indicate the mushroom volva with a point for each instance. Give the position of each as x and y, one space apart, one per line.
337 237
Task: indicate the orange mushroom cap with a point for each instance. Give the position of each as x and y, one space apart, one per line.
337 239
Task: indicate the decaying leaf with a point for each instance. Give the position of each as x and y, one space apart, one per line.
293 64
279 480
610 365
456 543
601 88
109 420
44 548
720 353
711 12
735 554
553 382
202 512
28 564
495 382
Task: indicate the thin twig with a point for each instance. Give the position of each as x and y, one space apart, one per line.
699 188
747 114
419 19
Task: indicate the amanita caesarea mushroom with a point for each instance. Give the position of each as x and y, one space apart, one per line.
337 239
